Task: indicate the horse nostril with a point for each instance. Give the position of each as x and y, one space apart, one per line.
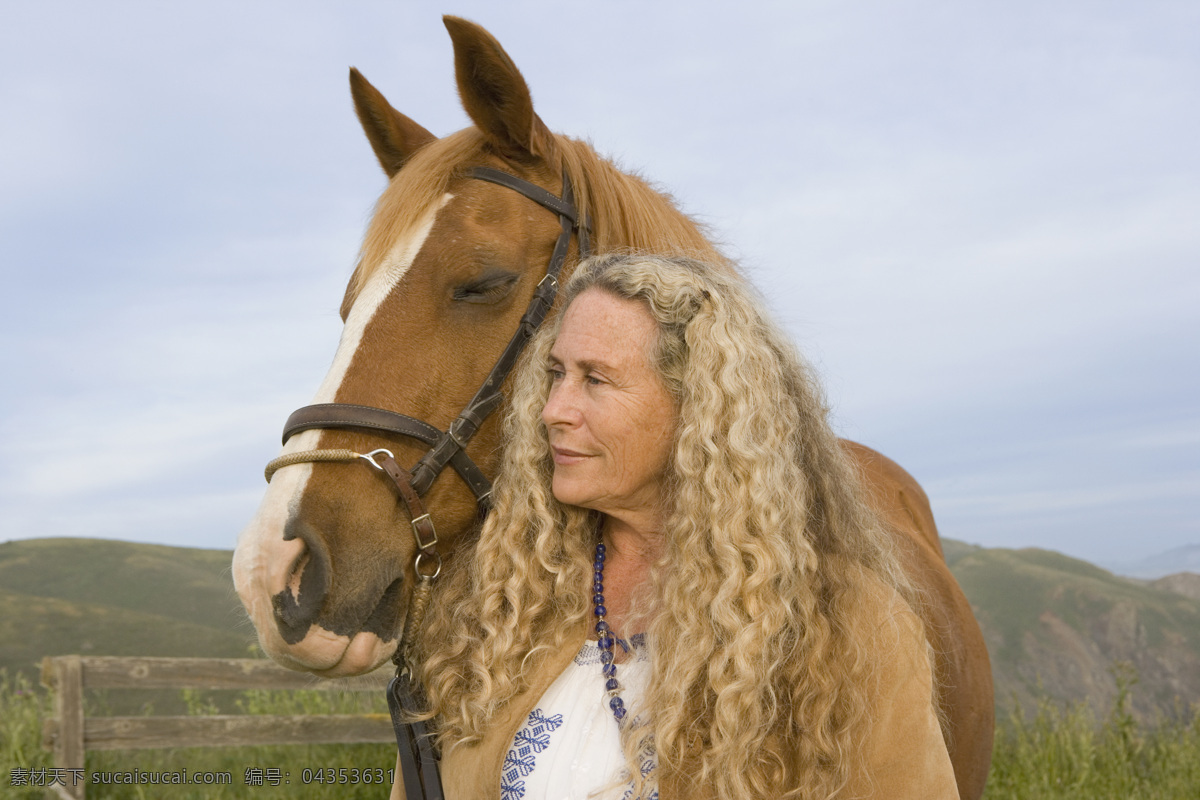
296 571
296 607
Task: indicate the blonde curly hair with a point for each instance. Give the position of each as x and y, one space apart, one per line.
760 677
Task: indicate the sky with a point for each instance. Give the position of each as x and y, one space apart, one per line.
980 221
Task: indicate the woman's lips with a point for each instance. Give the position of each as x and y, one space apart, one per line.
565 456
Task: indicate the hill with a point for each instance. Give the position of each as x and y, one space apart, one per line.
1184 583
1054 625
98 597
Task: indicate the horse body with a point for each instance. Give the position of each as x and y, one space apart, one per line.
446 270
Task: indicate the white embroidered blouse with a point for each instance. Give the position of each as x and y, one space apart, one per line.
569 747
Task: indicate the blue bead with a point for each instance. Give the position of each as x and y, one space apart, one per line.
605 642
619 713
612 685
606 657
598 599
616 703
601 627
601 611
600 548
609 670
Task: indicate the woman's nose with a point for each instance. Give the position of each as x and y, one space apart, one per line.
560 408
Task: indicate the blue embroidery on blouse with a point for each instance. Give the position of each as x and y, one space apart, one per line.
647 767
533 738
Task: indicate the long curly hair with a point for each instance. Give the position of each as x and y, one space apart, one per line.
760 676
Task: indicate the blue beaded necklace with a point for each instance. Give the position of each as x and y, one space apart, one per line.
605 639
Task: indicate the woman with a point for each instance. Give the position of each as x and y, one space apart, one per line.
672 490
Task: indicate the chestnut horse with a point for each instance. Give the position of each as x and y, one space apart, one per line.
448 267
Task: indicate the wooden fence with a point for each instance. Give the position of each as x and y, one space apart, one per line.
70 734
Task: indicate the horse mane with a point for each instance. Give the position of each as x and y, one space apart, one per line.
626 213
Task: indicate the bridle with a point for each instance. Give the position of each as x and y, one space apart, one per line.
419 766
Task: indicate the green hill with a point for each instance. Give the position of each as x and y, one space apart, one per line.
1054 625
98 597
183 583
34 627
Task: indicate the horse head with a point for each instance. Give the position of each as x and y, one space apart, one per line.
448 268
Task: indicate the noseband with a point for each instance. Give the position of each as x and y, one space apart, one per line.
420 771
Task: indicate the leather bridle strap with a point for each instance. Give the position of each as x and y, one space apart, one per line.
414 741
347 416
488 397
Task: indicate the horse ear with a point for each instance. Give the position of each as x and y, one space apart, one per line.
393 136
495 94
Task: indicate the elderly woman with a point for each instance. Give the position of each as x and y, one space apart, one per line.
680 592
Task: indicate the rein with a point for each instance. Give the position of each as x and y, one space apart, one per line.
419 761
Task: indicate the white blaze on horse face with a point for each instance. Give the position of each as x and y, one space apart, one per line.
264 563
368 301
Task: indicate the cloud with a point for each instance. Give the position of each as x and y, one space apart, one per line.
978 222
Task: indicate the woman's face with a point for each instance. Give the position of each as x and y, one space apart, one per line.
610 420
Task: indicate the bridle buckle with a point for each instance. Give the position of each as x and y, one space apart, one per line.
422 525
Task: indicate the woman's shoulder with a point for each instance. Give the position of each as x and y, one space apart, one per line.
902 745
877 608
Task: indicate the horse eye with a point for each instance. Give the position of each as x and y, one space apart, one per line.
486 288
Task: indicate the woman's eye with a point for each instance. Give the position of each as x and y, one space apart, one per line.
593 380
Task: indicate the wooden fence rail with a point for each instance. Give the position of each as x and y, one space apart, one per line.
70 734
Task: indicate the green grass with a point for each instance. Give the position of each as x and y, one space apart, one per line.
1060 752
1064 753
23 707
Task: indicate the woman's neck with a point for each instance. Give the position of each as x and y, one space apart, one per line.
632 553
634 541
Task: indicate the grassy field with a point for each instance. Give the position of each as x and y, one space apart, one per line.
1058 753
1064 753
265 773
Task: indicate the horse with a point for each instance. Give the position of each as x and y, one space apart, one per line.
453 261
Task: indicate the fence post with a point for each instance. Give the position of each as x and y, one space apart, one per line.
67 678
69 735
